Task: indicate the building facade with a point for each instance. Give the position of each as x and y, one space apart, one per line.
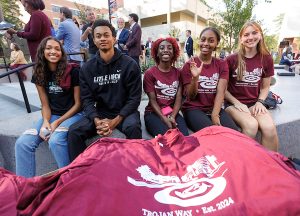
158 17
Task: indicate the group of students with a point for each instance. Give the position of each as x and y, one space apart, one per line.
205 82
108 87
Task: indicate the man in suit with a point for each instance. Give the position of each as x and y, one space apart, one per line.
122 36
188 46
133 44
148 49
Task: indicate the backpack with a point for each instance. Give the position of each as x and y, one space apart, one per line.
272 100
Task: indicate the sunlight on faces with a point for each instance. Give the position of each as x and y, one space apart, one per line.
103 38
53 51
165 51
208 42
250 37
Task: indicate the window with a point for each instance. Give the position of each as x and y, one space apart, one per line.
55 8
75 12
56 21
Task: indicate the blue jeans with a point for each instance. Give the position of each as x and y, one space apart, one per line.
29 141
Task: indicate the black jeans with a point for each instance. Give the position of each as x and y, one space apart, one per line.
197 120
85 128
155 125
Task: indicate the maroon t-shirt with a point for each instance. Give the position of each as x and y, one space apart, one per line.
216 170
207 83
163 84
35 31
247 90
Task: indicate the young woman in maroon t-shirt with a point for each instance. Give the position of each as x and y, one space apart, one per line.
163 87
250 71
205 81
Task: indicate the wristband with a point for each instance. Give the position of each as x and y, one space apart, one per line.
261 101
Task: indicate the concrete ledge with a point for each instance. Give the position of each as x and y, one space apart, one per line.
10 131
45 162
278 66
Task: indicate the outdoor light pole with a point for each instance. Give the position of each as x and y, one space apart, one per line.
109 11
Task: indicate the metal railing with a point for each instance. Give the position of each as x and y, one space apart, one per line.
17 70
23 67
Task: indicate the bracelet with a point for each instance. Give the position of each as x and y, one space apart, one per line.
261 101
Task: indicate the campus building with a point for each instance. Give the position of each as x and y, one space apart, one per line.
158 17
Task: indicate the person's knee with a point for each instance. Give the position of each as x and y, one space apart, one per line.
133 131
250 128
269 130
26 140
59 137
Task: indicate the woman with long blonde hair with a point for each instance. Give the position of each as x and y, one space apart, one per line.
250 72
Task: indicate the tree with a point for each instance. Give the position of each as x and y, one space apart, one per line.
83 8
271 42
11 12
278 21
230 21
174 32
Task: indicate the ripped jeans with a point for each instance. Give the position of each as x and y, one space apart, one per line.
29 141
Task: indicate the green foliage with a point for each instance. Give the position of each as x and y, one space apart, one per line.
174 32
146 65
278 21
236 13
271 42
82 10
11 13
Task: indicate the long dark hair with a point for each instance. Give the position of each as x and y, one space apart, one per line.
41 66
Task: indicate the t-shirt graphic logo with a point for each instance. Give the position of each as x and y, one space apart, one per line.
209 82
54 89
250 77
199 185
169 90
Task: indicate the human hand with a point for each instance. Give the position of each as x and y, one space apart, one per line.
195 71
215 120
259 108
102 127
241 107
11 31
173 121
45 131
54 125
167 121
8 36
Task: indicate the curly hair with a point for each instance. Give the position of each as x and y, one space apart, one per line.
41 67
155 47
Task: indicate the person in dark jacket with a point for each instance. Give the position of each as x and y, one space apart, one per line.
188 45
111 91
133 44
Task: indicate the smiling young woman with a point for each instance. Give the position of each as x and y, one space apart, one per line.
163 87
205 81
251 69
57 84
